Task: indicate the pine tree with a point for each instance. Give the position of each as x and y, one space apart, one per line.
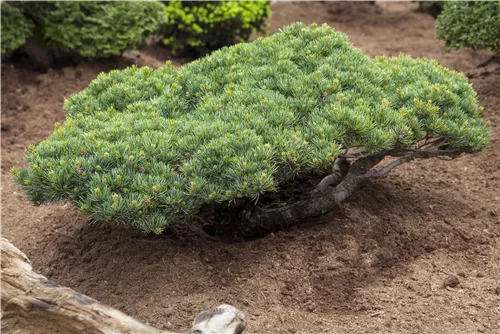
150 147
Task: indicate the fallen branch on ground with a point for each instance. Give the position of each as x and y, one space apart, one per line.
28 296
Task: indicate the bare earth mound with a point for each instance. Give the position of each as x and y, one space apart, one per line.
415 252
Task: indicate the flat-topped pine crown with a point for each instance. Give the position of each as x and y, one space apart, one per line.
149 147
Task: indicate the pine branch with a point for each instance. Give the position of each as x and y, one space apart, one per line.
332 179
390 166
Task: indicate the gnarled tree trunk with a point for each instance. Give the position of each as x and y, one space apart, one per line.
30 297
258 221
329 193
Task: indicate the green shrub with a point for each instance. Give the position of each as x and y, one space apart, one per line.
15 28
95 28
149 147
433 8
202 26
474 24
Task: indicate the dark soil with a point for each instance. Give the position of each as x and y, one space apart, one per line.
417 251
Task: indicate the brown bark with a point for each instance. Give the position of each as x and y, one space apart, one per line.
30 297
332 179
260 221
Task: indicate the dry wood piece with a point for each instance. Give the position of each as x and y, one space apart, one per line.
28 296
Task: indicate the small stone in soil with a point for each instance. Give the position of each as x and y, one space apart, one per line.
310 307
429 248
451 281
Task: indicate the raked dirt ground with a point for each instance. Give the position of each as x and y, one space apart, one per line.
380 266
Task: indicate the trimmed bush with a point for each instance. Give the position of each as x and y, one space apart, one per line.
473 24
149 147
15 28
95 28
202 26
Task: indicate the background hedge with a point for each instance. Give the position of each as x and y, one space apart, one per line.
474 24
202 26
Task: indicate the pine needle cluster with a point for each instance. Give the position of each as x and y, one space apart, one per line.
149 147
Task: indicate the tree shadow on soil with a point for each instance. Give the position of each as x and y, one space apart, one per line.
319 266
386 228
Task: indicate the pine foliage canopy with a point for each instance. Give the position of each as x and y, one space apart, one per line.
149 147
